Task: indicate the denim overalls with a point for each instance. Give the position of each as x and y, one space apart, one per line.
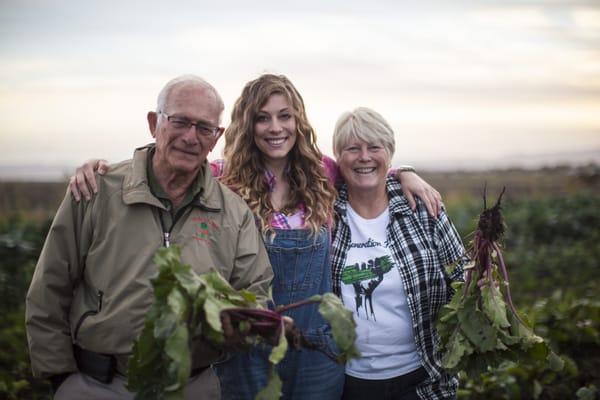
301 269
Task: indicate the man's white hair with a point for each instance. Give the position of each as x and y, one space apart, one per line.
163 96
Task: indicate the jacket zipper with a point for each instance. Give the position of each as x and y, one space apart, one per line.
89 314
166 233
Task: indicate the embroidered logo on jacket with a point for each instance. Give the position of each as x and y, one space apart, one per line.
204 227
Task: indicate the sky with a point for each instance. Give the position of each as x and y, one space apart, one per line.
464 84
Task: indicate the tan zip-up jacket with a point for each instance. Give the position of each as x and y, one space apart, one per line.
91 285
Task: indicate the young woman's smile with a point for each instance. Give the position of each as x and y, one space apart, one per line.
275 129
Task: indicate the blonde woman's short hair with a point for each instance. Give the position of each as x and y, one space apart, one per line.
365 125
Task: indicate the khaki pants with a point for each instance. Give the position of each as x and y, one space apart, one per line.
80 386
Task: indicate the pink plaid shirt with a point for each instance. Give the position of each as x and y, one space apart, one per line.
280 220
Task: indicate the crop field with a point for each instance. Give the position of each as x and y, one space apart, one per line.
551 246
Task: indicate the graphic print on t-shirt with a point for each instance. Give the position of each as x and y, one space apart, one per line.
365 277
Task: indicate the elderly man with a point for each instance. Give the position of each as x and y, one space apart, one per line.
91 288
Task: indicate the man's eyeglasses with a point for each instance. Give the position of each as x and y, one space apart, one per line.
183 124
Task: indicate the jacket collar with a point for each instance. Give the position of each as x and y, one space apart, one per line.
137 190
398 203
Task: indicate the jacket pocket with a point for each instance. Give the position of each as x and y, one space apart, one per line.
89 313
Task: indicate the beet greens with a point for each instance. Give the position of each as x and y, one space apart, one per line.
187 305
477 329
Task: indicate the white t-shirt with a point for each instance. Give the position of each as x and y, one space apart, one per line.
372 289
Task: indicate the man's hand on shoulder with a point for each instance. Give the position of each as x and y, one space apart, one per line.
83 182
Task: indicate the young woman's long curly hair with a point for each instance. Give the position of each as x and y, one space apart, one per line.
244 164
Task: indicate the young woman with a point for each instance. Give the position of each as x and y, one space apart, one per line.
389 268
272 161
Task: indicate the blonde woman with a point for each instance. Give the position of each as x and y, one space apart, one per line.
388 266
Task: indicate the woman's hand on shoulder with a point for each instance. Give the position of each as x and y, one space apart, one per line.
413 185
83 182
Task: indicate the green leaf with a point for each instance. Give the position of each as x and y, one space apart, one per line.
186 278
458 347
508 339
167 256
555 362
469 265
587 393
248 296
273 389
177 303
217 284
537 389
494 307
212 309
177 348
165 324
343 327
477 328
146 342
538 351
500 345
278 352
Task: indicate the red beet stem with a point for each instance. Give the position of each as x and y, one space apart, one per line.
282 309
505 276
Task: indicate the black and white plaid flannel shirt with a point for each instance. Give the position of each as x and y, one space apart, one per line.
422 247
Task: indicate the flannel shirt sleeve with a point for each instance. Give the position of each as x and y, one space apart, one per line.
331 170
217 168
450 249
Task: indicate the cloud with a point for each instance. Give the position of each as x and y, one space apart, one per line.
445 71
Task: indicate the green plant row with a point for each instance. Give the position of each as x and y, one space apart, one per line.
554 248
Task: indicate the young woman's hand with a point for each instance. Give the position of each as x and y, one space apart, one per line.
414 185
83 183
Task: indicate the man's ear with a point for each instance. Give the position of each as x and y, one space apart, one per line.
152 122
